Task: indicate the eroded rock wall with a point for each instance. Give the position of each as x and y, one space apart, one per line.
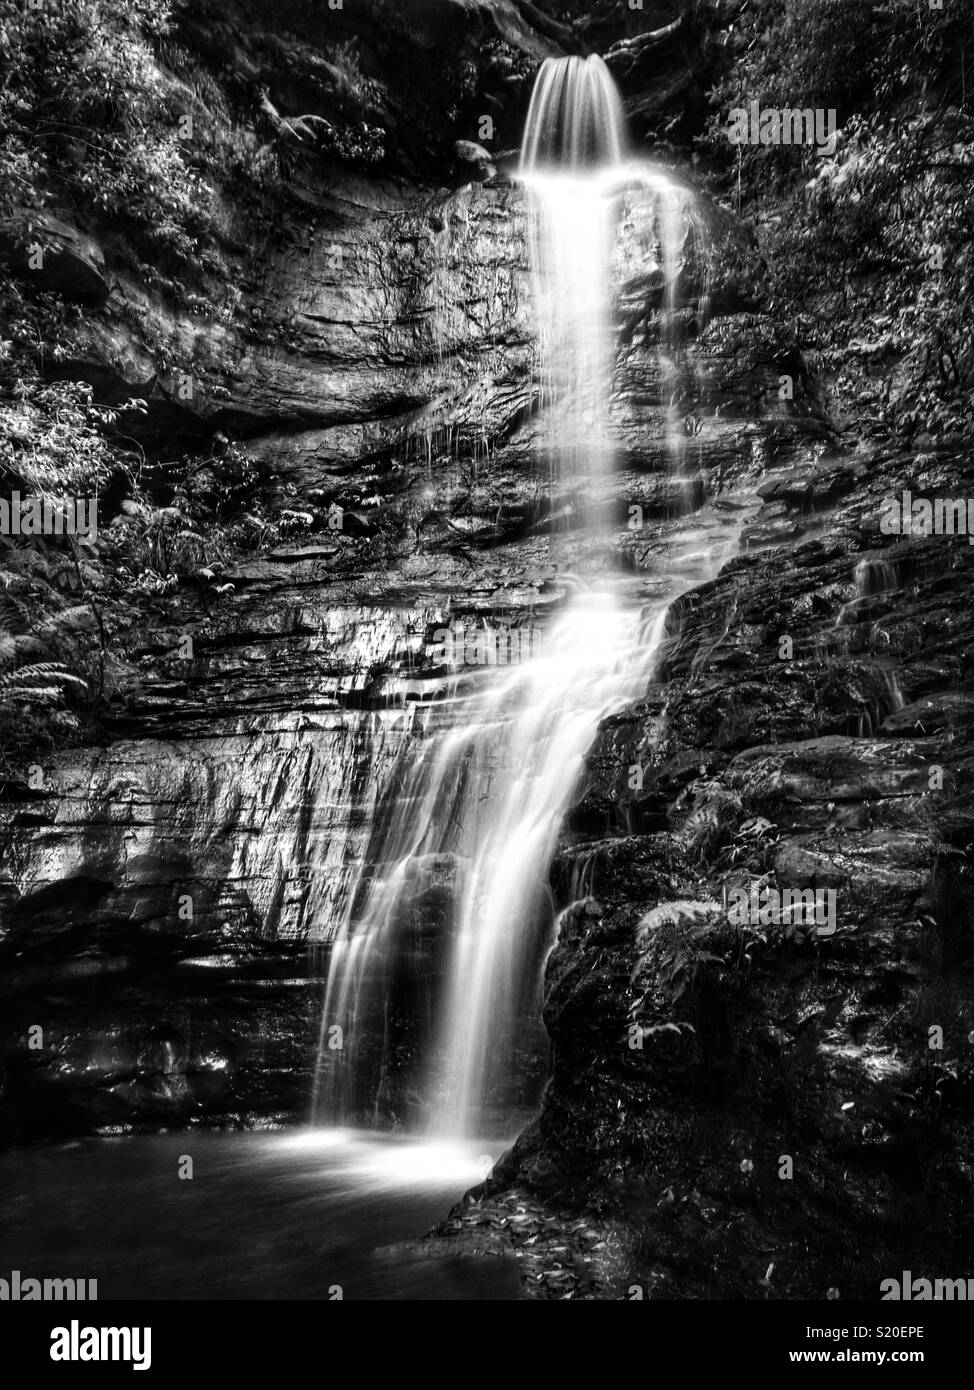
776 1108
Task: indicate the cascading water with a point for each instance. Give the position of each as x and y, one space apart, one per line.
575 120
857 630
574 131
435 973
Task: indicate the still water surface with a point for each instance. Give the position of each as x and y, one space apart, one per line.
265 1216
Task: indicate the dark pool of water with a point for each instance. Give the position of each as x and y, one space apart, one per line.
265 1216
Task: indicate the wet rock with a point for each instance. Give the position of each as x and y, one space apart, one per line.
302 553
692 1055
172 896
804 487
948 709
479 162
62 259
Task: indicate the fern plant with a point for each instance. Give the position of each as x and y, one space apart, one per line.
33 689
671 946
41 683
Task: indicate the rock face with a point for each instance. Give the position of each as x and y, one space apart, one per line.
373 344
171 890
244 776
773 1107
63 260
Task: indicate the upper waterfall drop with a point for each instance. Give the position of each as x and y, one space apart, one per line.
575 131
575 120
581 183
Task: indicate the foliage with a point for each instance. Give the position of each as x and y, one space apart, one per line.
35 695
853 240
350 135
672 941
52 436
859 57
91 124
753 842
42 681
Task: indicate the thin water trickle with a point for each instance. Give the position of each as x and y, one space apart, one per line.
874 577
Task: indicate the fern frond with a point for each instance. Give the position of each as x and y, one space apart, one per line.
78 618
34 694
40 674
29 645
14 613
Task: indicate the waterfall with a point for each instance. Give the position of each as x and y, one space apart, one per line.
434 980
577 176
574 131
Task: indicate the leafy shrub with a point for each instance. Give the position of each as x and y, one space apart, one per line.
91 124
52 438
849 240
